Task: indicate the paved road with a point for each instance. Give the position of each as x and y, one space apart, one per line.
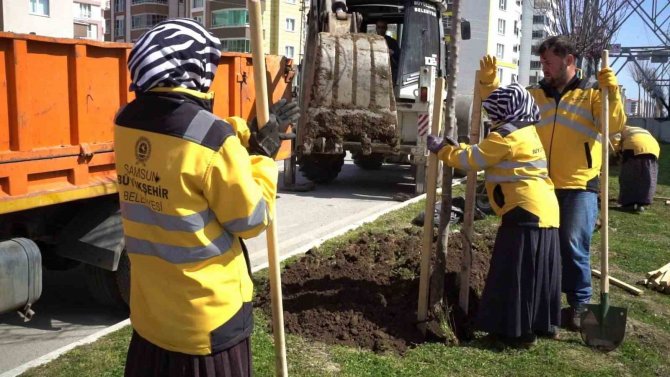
66 312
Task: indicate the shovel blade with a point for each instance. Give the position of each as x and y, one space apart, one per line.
603 333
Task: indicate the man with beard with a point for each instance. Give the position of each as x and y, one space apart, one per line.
569 129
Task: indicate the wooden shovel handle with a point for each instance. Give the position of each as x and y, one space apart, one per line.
262 117
604 184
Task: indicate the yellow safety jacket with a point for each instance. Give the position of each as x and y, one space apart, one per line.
569 129
188 191
516 178
640 141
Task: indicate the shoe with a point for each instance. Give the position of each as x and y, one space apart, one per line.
522 342
639 208
572 318
551 334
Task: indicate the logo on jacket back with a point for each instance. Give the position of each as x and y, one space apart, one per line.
142 149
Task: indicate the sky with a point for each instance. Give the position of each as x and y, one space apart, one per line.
635 33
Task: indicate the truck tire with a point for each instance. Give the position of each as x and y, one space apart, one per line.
321 168
482 200
110 288
372 161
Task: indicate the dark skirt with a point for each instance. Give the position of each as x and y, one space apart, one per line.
523 288
637 180
147 360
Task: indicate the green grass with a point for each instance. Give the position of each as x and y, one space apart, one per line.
638 243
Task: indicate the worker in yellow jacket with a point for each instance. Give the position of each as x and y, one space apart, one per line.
639 153
191 186
522 296
569 129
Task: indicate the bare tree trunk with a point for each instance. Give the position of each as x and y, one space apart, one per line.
438 298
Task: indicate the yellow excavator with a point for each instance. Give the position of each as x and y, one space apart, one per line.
359 94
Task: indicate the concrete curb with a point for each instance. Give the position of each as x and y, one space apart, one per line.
298 250
57 353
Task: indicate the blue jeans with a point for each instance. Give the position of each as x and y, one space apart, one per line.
578 209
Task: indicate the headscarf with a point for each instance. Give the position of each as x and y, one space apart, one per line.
174 53
512 104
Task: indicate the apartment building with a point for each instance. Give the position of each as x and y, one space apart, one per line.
228 20
53 18
495 30
537 24
631 107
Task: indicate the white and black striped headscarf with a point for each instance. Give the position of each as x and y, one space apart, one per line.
512 104
174 53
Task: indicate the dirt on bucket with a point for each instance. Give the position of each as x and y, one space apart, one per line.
365 294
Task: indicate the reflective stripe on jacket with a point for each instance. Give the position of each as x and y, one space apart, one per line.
640 141
189 190
569 129
517 182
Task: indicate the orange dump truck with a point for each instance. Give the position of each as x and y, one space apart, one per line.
58 202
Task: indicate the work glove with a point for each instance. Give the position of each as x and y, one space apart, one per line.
487 69
287 113
435 143
267 140
607 79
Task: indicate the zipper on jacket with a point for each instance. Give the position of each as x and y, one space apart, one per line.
551 142
587 152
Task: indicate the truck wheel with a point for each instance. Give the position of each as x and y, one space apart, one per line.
321 168
111 288
372 161
482 200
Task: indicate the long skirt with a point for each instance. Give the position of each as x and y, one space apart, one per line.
637 180
148 360
522 295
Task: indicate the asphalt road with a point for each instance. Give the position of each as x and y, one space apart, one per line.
67 312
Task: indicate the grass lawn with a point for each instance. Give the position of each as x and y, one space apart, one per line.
638 243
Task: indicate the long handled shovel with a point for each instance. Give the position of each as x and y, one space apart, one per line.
604 326
431 186
262 117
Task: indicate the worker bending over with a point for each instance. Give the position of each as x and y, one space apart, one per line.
639 153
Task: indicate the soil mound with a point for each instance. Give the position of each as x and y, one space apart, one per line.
365 294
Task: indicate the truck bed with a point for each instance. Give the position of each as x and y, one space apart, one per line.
58 98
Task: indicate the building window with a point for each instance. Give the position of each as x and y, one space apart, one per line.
500 74
290 24
535 64
532 80
119 6
501 26
235 45
40 7
197 4
289 51
230 18
108 26
447 23
503 4
92 32
82 10
515 78
146 21
119 27
198 19
516 27
500 51
538 34
538 20
163 2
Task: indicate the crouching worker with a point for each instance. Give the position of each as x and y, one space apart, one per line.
191 185
522 296
639 168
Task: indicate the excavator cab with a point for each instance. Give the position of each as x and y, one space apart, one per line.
358 94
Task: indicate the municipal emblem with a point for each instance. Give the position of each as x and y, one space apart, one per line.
142 149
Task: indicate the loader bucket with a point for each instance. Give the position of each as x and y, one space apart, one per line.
351 94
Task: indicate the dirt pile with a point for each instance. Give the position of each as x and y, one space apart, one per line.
365 294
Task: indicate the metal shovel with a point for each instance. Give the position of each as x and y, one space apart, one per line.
603 326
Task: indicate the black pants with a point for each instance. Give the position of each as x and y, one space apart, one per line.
148 360
523 288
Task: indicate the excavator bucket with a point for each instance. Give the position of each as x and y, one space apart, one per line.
350 96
